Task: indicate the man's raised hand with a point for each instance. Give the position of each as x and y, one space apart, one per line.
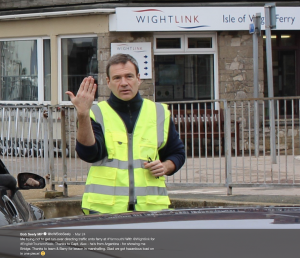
85 96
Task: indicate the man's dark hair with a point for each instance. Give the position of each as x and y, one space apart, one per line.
121 59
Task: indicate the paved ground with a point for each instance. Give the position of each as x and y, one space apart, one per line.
286 171
181 197
268 195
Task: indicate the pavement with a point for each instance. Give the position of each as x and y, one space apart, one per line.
181 197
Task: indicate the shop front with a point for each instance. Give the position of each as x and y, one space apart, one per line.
205 53
193 53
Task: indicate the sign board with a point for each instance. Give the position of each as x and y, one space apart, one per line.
273 19
257 24
198 18
141 51
251 28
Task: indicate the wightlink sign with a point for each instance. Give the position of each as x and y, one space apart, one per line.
141 51
198 18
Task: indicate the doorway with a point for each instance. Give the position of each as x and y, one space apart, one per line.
286 70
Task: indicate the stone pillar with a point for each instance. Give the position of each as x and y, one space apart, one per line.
235 61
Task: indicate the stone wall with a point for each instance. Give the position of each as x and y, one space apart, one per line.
287 140
235 54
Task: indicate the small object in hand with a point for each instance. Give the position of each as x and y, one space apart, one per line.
150 160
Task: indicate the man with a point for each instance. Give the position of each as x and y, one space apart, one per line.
131 141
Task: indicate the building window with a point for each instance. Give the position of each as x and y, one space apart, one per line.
47 70
199 42
20 70
185 73
167 43
78 60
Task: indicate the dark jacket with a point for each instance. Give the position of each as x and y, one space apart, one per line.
128 111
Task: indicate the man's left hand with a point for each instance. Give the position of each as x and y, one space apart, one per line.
158 168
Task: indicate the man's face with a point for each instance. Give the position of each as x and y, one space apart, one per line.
123 82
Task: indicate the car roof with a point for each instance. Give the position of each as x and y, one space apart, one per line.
229 217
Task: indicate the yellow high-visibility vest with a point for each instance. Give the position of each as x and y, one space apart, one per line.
120 180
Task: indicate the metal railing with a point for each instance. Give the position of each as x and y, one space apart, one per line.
227 143
247 159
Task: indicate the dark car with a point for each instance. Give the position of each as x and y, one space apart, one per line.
260 217
204 232
13 207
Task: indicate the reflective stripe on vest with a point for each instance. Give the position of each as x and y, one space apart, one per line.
98 115
122 174
160 114
114 163
123 191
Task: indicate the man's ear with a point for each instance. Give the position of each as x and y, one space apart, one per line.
108 81
139 79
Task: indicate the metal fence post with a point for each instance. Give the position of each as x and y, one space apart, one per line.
269 17
257 32
51 153
63 151
227 131
46 137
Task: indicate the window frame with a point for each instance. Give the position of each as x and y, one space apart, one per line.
59 64
169 50
211 50
185 50
40 70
